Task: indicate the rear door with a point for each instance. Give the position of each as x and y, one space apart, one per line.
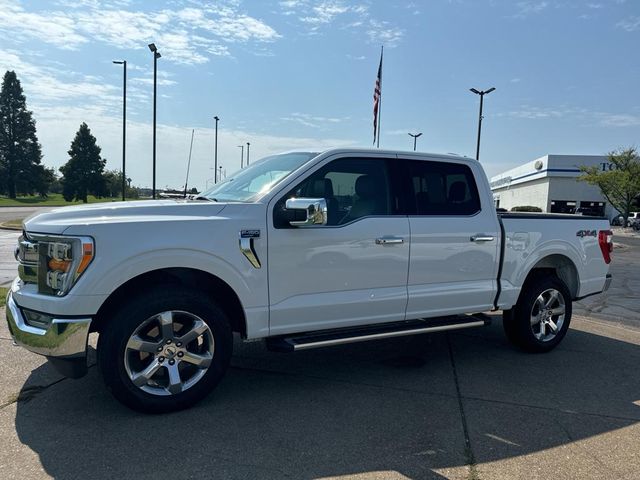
454 240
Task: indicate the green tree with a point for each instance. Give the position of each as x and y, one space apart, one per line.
113 181
621 184
83 174
20 154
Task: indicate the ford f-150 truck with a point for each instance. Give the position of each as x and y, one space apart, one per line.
302 249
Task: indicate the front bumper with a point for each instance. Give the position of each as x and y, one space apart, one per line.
63 342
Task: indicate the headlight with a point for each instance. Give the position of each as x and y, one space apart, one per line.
61 261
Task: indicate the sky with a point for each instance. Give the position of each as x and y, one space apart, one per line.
300 74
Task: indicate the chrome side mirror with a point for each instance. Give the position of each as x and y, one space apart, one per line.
316 209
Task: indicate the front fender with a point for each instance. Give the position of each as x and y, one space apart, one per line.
113 275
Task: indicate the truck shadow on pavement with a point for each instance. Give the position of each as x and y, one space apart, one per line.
417 407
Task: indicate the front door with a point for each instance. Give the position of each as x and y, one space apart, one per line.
352 271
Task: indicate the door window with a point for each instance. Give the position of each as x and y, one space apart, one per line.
353 188
440 188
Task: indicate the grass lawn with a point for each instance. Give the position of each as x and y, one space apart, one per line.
53 200
3 296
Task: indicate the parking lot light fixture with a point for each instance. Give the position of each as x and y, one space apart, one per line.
482 93
156 56
415 137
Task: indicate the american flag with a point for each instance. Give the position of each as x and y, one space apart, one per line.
377 92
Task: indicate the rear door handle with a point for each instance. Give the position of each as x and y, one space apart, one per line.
388 240
482 238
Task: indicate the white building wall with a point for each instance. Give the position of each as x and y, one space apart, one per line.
534 193
551 177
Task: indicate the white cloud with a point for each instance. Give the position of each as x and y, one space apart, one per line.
402 131
149 81
314 121
574 114
530 7
56 28
533 113
629 24
381 32
356 17
42 84
325 12
185 36
620 120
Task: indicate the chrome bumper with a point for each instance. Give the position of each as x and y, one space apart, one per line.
64 341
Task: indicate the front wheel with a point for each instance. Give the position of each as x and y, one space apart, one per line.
540 319
165 350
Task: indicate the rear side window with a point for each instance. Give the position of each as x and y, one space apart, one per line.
439 188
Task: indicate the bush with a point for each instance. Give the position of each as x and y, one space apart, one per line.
527 208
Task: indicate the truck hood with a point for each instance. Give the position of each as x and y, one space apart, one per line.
58 220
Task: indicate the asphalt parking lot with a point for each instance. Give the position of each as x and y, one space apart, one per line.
457 406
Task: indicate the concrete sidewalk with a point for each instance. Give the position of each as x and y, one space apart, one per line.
456 406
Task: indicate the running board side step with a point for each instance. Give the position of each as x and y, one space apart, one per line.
326 338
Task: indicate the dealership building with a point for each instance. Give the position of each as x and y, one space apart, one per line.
551 183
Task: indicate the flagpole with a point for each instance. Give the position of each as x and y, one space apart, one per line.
380 99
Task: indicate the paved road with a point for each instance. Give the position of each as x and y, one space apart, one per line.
8 239
621 304
8 264
12 213
456 406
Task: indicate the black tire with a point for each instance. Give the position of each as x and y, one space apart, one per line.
115 355
539 337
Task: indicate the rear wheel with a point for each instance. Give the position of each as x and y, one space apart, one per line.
165 351
540 319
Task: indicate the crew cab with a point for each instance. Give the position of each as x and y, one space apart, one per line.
303 250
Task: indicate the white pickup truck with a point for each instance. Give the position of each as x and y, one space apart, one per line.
303 249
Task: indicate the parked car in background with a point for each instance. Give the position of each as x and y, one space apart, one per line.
617 221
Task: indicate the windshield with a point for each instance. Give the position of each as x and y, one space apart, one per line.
258 178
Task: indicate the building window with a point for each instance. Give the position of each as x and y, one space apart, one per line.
563 206
593 209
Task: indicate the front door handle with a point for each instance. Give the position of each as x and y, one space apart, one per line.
482 238
388 240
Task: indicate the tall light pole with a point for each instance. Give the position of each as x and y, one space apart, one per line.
415 137
482 93
241 155
215 153
248 144
124 124
220 167
156 56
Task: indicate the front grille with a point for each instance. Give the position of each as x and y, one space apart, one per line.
27 256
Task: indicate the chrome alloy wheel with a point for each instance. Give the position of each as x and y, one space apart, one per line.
169 352
547 315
